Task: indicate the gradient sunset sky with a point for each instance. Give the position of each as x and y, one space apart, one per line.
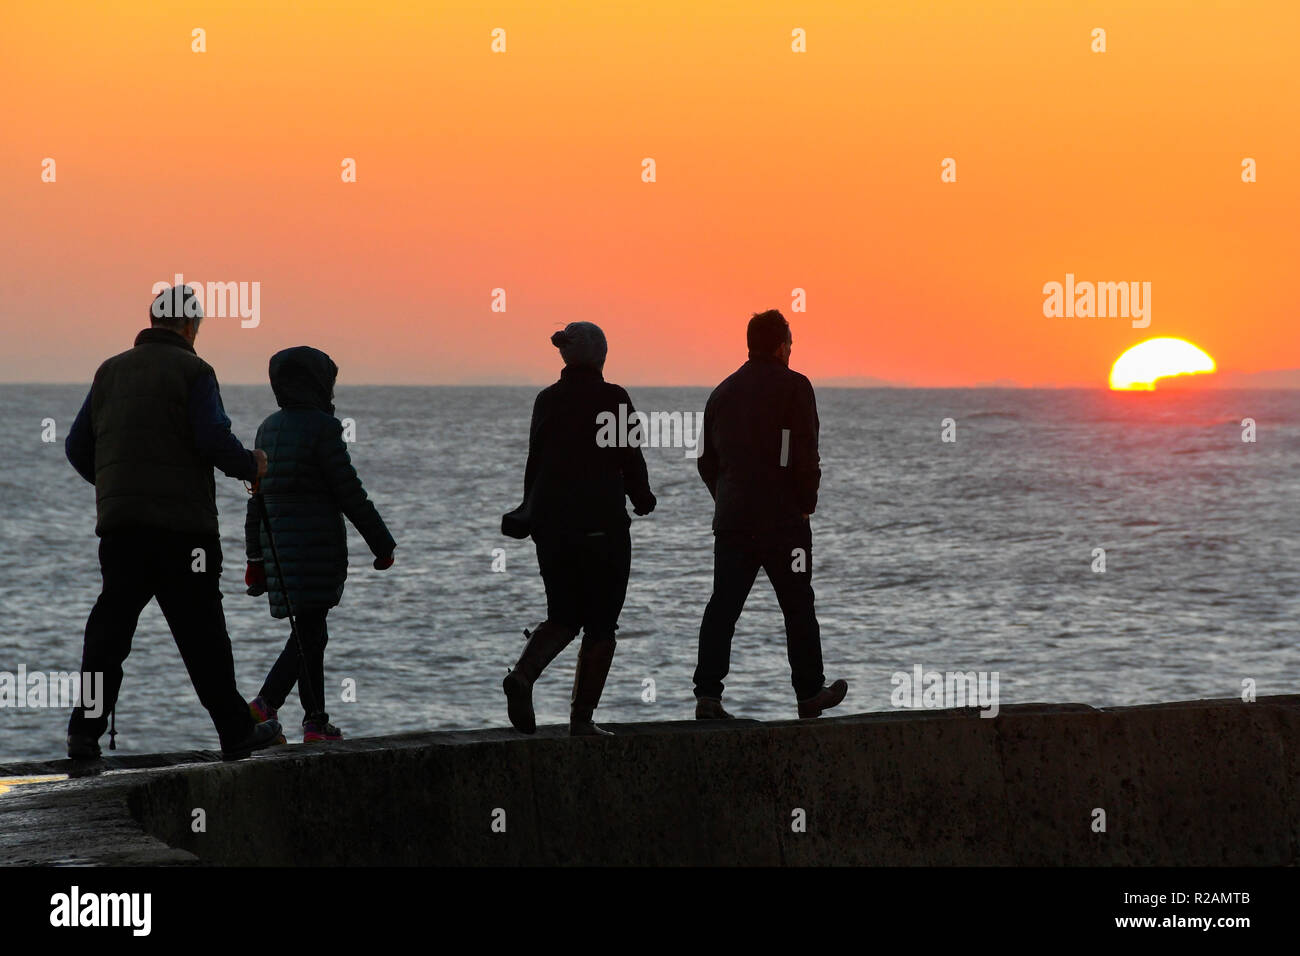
775 170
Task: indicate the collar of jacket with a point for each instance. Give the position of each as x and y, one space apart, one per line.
157 336
765 358
581 373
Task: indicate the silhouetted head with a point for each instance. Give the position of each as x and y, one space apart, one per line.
581 345
177 309
302 376
769 336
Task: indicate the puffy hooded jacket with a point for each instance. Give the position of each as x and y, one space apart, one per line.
309 486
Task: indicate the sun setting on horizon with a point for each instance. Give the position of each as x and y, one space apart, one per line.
1140 367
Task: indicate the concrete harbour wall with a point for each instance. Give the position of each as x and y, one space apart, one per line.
1212 782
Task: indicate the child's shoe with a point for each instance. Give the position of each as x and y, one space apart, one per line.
262 713
314 731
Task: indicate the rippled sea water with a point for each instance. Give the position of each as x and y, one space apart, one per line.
973 555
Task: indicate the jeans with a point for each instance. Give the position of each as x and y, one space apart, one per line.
737 556
137 565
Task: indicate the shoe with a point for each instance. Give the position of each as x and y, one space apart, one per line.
594 659
314 731
544 643
588 729
83 747
262 713
824 699
265 734
710 708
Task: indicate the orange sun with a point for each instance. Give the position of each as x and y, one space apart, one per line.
1139 367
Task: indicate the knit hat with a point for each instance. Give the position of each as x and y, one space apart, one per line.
581 344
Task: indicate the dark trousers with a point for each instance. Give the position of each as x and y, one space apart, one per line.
140 564
585 577
306 669
737 556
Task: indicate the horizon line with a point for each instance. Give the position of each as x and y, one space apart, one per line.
826 383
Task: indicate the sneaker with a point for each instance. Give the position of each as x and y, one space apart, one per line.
262 713
710 708
824 699
586 728
314 731
83 747
266 734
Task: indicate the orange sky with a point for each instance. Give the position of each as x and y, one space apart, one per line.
776 170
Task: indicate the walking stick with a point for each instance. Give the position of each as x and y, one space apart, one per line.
265 517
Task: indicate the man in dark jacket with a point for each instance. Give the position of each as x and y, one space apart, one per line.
310 485
148 436
575 491
759 460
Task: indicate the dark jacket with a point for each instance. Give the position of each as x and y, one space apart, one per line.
148 435
759 457
571 483
309 486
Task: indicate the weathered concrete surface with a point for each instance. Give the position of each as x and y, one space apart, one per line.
1198 783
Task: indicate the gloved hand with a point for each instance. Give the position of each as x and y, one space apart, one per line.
255 578
645 505
383 564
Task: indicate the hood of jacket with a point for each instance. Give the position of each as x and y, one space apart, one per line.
303 376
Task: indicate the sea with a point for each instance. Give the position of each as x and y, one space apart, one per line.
1085 546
